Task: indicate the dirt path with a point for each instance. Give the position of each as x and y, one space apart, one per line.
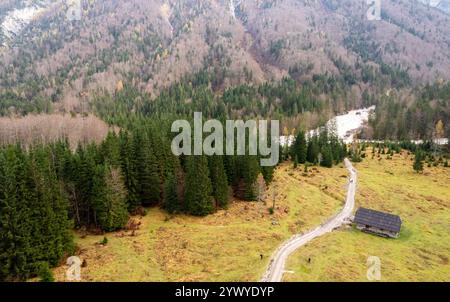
275 270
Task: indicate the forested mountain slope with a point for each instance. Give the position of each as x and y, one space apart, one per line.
154 43
443 5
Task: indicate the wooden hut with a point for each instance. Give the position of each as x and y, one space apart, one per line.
379 223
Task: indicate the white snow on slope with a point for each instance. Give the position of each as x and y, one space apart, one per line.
286 140
345 125
16 20
232 8
437 141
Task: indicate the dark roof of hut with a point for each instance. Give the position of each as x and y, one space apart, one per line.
380 220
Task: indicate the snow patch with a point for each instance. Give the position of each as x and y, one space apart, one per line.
16 20
345 126
232 6
286 140
348 124
437 141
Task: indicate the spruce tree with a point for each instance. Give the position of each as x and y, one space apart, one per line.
300 147
313 150
110 150
110 199
15 222
198 191
327 157
45 274
268 174
418 164
220 189
231 170
50 208
61 156
171 201
85 180
34 225
129 170
148 180
250 171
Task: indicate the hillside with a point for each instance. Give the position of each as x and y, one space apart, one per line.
443 5
153 44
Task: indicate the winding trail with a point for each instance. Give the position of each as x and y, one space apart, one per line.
275 270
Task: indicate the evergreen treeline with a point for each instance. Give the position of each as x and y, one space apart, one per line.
413 118
34 221
322 148
426 152
137 168
286 98
396 117
46 190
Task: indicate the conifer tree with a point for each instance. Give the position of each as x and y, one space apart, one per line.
231 169
110 150
85 180
34 225
61 156
313 150
220 189
50 209
15 223
45 274
129 170
327 157
198 199
171 201
250 171
110 199
148 177
418 161
267 173
300 148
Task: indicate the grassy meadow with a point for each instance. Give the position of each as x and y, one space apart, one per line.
422 251
225 246
228 245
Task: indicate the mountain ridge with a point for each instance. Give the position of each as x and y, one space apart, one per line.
153 44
